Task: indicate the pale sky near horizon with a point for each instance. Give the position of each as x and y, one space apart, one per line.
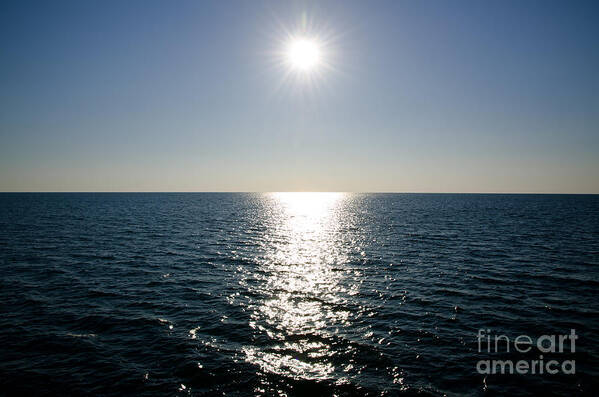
412 96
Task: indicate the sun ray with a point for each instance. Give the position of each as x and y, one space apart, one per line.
304 55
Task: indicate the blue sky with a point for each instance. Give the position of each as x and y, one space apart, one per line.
423 96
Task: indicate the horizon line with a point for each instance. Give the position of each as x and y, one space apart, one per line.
280 191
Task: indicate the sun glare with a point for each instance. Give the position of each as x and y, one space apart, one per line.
303 54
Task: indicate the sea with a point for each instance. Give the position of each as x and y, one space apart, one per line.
298 294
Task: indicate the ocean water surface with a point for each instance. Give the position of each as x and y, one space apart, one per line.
292 293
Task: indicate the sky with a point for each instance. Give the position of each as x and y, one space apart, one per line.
411 96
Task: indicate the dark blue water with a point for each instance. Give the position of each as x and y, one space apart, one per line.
297 294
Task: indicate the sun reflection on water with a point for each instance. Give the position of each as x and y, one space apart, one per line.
303 286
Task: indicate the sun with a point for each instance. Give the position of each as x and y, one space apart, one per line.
303 54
